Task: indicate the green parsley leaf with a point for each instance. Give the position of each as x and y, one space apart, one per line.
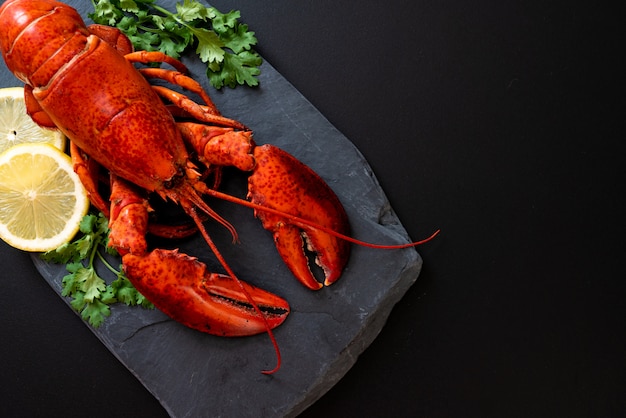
90 283
239 40
217 38
95 313
90 294
191 10
236 69
210 47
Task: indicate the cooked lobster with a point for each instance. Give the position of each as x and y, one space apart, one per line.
122 124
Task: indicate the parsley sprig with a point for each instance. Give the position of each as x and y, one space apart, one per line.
90 293
220 41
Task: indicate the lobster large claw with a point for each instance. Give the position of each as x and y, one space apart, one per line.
181 287
279 181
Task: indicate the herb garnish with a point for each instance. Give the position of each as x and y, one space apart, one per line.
91 295
219 39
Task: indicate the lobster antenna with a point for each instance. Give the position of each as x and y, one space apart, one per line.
191 210
305 223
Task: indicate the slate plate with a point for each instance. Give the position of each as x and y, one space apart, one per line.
193 374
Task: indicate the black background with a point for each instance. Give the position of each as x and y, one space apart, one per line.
495 121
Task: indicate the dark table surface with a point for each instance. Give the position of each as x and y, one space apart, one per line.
494 121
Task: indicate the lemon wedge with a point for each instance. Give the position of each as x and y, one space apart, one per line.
42 200
16 127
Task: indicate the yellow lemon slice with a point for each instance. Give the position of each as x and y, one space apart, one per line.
16 127
42 200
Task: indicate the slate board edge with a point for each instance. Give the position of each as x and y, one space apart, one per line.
364 340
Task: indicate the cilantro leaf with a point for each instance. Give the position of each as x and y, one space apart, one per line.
106 13
129 6
70 284
223 22
170 46
126 293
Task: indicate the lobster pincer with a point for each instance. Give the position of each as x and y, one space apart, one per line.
180 285
294 192
282 182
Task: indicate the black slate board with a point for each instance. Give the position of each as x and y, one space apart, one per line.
193 374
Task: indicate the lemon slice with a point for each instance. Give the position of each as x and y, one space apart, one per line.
16 127
42 200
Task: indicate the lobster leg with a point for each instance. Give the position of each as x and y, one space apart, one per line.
156 56
88 171
180 79
180 285
203 113
34 110
128 221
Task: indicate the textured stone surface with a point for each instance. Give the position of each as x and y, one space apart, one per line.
193 374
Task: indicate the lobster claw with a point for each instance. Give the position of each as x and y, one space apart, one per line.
181 287
281 182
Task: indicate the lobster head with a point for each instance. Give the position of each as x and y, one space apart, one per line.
32 32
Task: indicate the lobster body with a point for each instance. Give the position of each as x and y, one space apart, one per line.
93 94
137 137
82 80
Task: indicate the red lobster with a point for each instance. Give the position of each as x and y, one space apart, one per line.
120 122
